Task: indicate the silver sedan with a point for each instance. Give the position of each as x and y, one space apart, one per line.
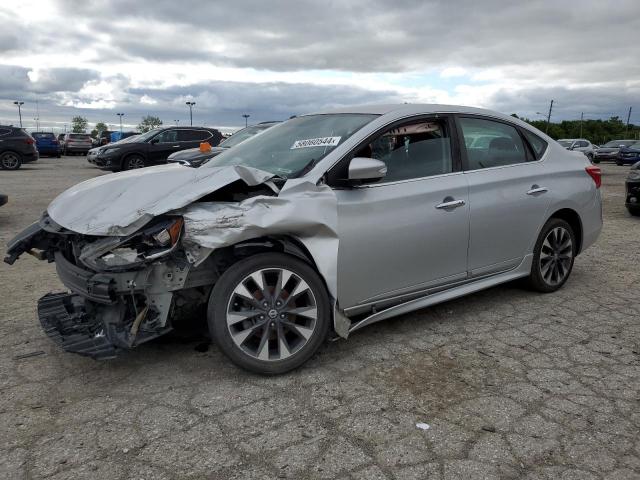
319 226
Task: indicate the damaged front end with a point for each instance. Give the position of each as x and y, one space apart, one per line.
124 290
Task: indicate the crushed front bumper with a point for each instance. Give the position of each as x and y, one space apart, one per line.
66 319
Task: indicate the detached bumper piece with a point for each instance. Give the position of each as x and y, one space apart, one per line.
65 320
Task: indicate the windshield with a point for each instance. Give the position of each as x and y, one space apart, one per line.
290 147
565 143
146 136
241 135
617 143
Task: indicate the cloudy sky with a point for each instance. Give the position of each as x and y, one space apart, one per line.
279 58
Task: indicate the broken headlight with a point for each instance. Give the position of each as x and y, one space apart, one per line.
143 246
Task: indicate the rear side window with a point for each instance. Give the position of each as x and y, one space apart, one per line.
43 135
192 135
491 144
4 131
538 145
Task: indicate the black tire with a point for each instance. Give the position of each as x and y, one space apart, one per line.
10 161
536 279
620 164
635 211
57 155
263 324
134 161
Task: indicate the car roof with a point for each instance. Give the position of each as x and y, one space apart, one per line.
408 108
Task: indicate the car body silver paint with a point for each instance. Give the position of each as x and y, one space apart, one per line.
374 245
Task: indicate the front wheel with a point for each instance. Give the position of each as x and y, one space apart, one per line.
10 161
269 313
553 256
132 162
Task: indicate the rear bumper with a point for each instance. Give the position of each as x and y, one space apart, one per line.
30 157
632 194
78 148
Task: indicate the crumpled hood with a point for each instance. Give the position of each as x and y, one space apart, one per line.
121 203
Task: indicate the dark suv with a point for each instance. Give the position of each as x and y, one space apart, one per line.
154 147
16 147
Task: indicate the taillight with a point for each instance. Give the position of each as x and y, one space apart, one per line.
596 174
29 141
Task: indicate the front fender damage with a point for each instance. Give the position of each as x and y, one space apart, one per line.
109 311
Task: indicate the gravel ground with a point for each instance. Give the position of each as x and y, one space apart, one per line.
512 384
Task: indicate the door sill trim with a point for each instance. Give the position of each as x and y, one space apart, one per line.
463 289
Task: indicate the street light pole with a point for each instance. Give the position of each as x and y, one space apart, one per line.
120 115
19 111
246 119
549 117
581 119
191 104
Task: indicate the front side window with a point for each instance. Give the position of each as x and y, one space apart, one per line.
291 148
168 136
505 146
414 150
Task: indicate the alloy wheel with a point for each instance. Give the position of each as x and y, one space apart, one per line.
10 161
135 162
272 313
556 256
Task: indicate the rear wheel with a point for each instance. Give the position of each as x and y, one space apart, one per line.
269 313
132 162
10 161
635 211
553 256
619 163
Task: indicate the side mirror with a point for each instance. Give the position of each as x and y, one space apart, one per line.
364 170
154 141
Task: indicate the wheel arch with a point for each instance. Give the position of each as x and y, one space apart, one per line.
573 219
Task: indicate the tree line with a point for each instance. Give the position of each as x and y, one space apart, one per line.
597 131
79 125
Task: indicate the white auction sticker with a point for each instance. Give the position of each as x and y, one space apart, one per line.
316 142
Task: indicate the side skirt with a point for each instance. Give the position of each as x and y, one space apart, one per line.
476 285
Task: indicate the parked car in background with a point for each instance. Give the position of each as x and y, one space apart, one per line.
47 143
629 155
92 155
609 151
3 199
60 139
632 187
76 144
16 147
194 157
102 138
154 147
579 145
318 227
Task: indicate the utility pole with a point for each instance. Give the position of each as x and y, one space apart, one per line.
19 104
120 115
581 119
191 104
549 117
628 118
246 119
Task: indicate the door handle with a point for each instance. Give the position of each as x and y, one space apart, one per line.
450 203
535 189
175 146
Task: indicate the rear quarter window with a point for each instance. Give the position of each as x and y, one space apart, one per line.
538 145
